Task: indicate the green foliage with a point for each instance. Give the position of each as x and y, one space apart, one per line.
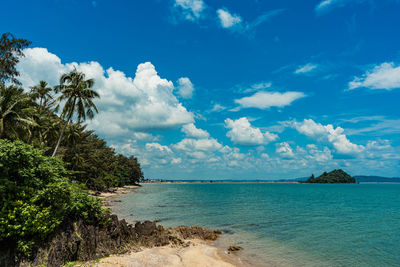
97 166
334 177
36 198
10 52
78 97
16 112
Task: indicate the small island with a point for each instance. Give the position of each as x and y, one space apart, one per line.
334 177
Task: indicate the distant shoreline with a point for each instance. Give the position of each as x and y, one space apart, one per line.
221 182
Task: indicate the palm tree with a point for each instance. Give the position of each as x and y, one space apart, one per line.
42 93
15 112
78 97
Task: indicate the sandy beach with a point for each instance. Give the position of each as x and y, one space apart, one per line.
193 253
197 254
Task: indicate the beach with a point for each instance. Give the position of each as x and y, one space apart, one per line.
194 252
197 254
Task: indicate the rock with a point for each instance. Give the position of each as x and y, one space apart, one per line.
195 232
82 242
234 248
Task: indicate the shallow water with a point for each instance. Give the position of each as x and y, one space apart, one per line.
283 224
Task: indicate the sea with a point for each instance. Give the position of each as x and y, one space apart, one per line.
282 224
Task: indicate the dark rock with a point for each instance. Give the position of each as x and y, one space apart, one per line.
82 242
234 248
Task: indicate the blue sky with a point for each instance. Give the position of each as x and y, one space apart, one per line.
229 89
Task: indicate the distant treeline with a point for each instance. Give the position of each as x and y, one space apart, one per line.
376 179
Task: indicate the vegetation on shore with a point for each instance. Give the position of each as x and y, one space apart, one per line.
334 177
48 159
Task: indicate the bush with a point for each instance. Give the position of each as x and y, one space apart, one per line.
36 198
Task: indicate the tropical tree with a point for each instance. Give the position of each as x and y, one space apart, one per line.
78 95
42 93
11 49
16 112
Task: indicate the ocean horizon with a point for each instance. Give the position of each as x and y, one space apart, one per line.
282 224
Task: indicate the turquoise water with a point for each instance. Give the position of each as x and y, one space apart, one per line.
283 224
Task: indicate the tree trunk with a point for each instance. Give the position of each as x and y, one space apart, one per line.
59 139
63 130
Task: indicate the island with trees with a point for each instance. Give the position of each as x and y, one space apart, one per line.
334 177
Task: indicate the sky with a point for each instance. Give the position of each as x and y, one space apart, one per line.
223 89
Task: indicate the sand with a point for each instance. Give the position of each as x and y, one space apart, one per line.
197 254
107 197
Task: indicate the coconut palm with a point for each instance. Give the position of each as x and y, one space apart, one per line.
42 92
78 96
15 112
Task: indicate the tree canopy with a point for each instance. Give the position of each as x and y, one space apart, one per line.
11 49
37 198
334 177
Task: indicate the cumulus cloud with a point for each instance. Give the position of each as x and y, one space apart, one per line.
191 131
143 103
328 133
158 147
191 9
264 100
185 87
193 145
144 137
318 155
284 150
385 76
306 68
226 19
242 133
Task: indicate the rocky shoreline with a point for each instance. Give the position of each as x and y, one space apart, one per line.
80 244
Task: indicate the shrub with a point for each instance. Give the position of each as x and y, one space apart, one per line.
36 198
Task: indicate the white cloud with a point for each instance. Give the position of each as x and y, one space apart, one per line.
327 5
306 68
185 87
264 100
176 161
228 20
319 155
192 132
193 145
335 136
235 22
191 9
144 137
217 108
284 150
126 149
385 76
143 103
242 133
158 147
